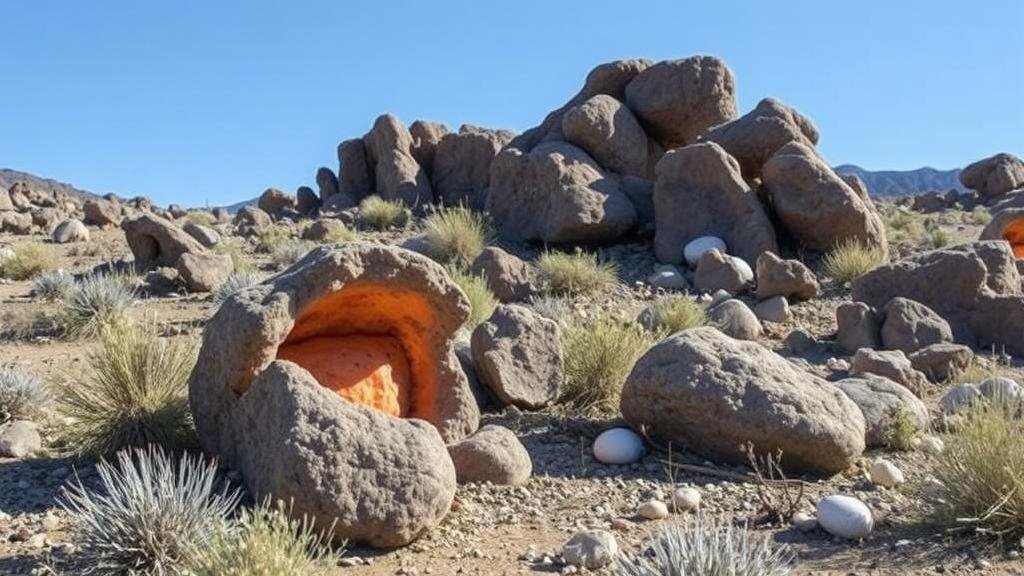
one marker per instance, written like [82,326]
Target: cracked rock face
[336,385]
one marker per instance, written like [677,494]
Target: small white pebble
[653,510]
[686,499]
[884,473]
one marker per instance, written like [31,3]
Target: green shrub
[95,302]
[980,216]
[27,260]
[136,395]
[53,285]
[940,238]
[852,259]
[574,274]
[380,214]
[201,218]
[235,249]
[290,251]
[152,515]
[904,226]
[456,235]
[22,395]
[235,282]
[598,357]
[555,308]
[675,313]
[273,236]
[903,429]
[482,301]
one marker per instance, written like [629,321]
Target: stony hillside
[8,177]
[899,183]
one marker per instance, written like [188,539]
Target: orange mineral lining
[367,370]
[1014,234]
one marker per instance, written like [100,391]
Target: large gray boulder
[326,183]
[507,276]
[608,131]
[789,278]
[881,400]
[558,194]
[699,192]
[102,213]
[396,174]
[942,362]
[156,241]
[462,165]
[709,394]
[910,326]
[676,100]
[70,230]
[274,201]
[1007,224]
[355,175]
[860,326]
[735,319]
[426,136]
[492,454]
[891,364]
[204,271]
[995,175]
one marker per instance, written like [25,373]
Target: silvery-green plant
[235,283]
[290,251]
[95,301]
[151,515]
[709,548]
[21,394]
[53,285]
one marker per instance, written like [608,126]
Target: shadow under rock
[33,485]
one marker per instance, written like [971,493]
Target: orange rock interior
[369,343]
[1014,234]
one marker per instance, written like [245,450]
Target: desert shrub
[555,308]
[27,260]
[266,541]
[53,285]
[981,471]
[903,429]
[94,302]
[482,301]
[904,226]
[674,313]
[151,516]
[598,357]
[235,282]
[852,259]
[234,249]
[456,235]
[339,234]
[273,236]
[979,216]
[983,367]
[30,323]
[380,214]
[940,238]
[576,273]
[136,395]
[22,395]
[202,218]
[290,251]
[709,548]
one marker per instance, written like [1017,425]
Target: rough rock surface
[306,201]
[699,192]
[249,220]
[942,362]
[491,454]
[19,438]
[355,176]
[462,165]
[326,183]
[273,201]
[891,364]
[507,276]
[204,271]
[590,549]
[880,400]
[396,174]
[606,129]
[70,231]
[860,326]
[710,393]
[735,319]
[206,236]
[717,271]
[518,355]
[789,278]
[426,136]
[995,175]
[910,326]
[102,213]
[156,241]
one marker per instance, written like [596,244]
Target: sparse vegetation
[136,395]
[482,301]
[979,216]
[598,357]
[234,283]
[554,308]
[903,429]
[940,238]
[94,302]
[456,235]
[575,274]
[152,515]
[201,218]
[902,225]
[290,251]
[708,547]
[235,250]
[30,323]
[273,236]
[852,259]
[27,260]
[22,395]
[675,313]
[980,369]
[53,285]
[380,214]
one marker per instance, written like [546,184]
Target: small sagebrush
[555,308]
[598,357]
[852,259]
[380,214]
[152,515]
[201,218]
[903,429]
[234,283]
[235,249]
[979,216]
[981,472]
[96,301]
[675,313]
[273,236]
[574,274]
[22,395]
[266,541]
[27,260]
[709,548]
[136,395]
[940,238]
[53,285]
[456,235]
[903,225]
[482,301]
[290,251]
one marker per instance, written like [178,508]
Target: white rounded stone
[618,446]
[696,248]
[746,273]
[590,549]
[932,445]
[959,397]
[804,522]
[686,499]
[884,473]
[653,510]
[845,516]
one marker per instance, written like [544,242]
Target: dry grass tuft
[380,214]
[676,313]
[598,356]
[573,274]
[851,259]
[27,260]
[482,301]
[456,235]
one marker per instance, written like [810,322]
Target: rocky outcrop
[492,454]
[910,326]
[789,278]
[396,174]
[426,136]
[881,400]
[994,176]
[462,165]
[156,241]
[102,213]
[608,131]
[355,177]
[274,201]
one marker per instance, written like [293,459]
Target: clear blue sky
[212,102]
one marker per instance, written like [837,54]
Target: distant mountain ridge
[898,183]
[8,177]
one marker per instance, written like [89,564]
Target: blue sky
[212,102]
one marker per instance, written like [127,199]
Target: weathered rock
[5,200]
[491,454]
[816,207]
[306,201]
[735,319]
[699,192]
[880,400]
[1008,225]
[653,510]
[891,364]
[462,165]
[995,175]
[686,500]
[718,271]
[250,220]
[606,129]
[507,276]
[929,202]
[206,236]
[910,326]
[845,516]
[19,223]
[558,194]
[884,473]
[676,100]
[323,229]
[396,174]
[326,183]
[221,215]
[789,278]
[757,135]
[70,230]
[590,549]
[860,326]
[774,309]
[640,192]
[668,277]
[959,397]
[45,218]
[19,438]
[102,213]
[710,393]
[942,362]
[518,354]
[355,174]
[696,248]
[426,136]
[204,271]
[273,201]
[155,241]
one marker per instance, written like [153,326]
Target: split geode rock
[336,385]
